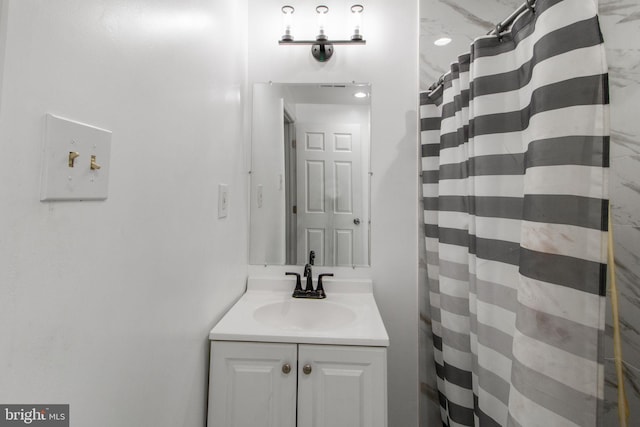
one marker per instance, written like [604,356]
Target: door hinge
[293,143]
[295,209]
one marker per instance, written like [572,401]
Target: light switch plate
[68,178]
[223,200]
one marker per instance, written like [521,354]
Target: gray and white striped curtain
[514,169]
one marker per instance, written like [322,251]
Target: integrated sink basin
[267,313]
[304,315]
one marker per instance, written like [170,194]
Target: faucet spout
[308,275]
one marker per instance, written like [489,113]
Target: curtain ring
[530,5]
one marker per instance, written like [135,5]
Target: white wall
[389,62]
[107,305]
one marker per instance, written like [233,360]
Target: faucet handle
[298,283]
[320,289]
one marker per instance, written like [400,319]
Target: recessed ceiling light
[360,94]
[443,41]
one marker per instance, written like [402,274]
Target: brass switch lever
[94,165]
[73,155]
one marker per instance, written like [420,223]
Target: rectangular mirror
[310,186]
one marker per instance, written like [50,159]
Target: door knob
[356,221]
[306,369]
[286,368]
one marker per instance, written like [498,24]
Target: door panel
[343,142]
[315,183]
[343,245]
[314,141]
[343,181]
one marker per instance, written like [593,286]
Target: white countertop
[348,316]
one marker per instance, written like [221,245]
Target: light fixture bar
[312,42]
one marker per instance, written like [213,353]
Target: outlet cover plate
[60,181]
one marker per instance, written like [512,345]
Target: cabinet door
[248,386]
[346,387]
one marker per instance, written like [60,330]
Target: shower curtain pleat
[515,159]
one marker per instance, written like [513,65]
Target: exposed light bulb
[356,16]
[360,94]
[287,20]
[322,11]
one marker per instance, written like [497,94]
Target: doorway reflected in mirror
[310,174]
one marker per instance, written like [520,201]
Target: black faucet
[308,291]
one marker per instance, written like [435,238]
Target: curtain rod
[528,4]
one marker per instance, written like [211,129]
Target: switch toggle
[73,155]
[94,165]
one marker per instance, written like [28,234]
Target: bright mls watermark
[34,415]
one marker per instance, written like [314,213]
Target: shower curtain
[514,175]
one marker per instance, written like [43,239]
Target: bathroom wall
[620,20]
[107,305]
[389,62]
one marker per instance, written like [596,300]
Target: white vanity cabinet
[278,361]
[255,384]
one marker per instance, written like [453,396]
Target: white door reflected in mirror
[315,138]
[329,164]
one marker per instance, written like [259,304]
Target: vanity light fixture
[322,47]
